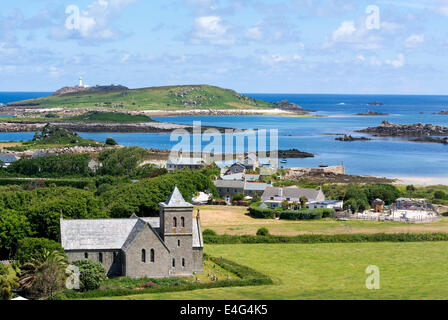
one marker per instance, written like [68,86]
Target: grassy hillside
[155,98]
[331,271]
[110,117]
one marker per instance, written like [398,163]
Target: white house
[337,205]
[274,197]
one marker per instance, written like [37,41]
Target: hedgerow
[248,277]
[323,238]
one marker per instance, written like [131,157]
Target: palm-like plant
[44,275]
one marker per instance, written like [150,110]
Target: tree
[440,195]
[44,276]
[91,274]
[111,142]
[411,188]
[386,192]
[8,281]
[119,162]
[13,227]
[45,212]
[303,201]
[29,248]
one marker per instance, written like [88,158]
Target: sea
[420,163]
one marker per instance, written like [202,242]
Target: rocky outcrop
[294,154]
[146,127]
[375,103]
[292,107]
[54,151]
[388,129]
[372,113]
[432,140]
[443,113]
[351,138]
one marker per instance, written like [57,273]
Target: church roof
[100,234]
[176,200]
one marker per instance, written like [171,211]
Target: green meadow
[332,271]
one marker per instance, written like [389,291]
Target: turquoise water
[386,157]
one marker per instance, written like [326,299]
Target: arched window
[175,222]
[174,263]
[153,255]
[178,243]
[182,222]
[86,255]
[183,263]
[143,255]
[100,257]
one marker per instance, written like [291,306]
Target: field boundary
[323,238]
[248,277]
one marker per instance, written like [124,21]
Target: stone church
[166,246]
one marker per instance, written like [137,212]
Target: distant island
[375,104]
[372,113]
[169,100]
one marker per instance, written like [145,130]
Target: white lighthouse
[81,84]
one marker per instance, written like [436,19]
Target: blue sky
[278,46]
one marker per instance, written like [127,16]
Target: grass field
[332,271]
[235,221]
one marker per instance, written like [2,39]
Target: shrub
[208,232]
[111,142]
[256,212]
[31,247]
[238,197]
[91,274]
[262,232]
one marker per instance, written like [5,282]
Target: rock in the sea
[388,129]
[351,138]
[372,113]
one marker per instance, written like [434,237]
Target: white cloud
[398,63]
[275,59]
[254,33]
[211,29]
[413,41]
[345,32]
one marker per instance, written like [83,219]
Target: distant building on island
[81,84]
[165,246]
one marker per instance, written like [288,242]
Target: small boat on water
[284,161]
[323,166]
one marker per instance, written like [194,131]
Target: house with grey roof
[228,188]
[170,245]
[274,197]
[7,159]
[185,163]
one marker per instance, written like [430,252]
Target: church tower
[176,230]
